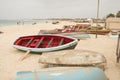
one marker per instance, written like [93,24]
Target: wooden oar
[24,56]
[35,75]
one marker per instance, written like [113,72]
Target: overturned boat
[63,73]
[73,58]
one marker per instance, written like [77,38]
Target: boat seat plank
[50,42]
[61,41]
[29,42]
[34,43]
[39,42]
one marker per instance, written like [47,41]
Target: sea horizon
[8,22]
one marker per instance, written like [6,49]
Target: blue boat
[63,73]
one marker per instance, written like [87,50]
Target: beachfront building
[113,23]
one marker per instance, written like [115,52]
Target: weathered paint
[69,45]
[84,73]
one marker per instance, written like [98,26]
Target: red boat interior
[42,41]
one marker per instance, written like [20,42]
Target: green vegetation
[118,14]
[110,15]
[114,15]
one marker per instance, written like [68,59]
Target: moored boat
[45,43]
[67,29]
[63,73]
[101,32]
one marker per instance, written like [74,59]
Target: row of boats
[82,28]
[63,63]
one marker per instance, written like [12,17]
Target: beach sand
[9,56]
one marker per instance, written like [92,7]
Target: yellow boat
[102,32]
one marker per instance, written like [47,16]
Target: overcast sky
[27,9]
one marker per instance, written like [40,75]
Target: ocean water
[20,22]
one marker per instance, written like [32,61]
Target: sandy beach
[9,56]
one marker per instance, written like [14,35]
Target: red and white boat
[45,43]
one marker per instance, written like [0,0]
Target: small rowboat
[73,58]
[63,73]
[44,43]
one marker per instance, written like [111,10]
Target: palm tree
[110,15]
[118,14]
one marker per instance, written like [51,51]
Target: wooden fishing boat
[101,32]
[67,29]
[114,32]
[73,58]
[77,35]
[44,43]
[63,73]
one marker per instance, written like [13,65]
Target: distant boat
[67,29]
[101,32]
[78,35]
[114,32]
[45,43]
[63,73]
[1,32]
[55,22]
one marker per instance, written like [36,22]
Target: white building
[113,23]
